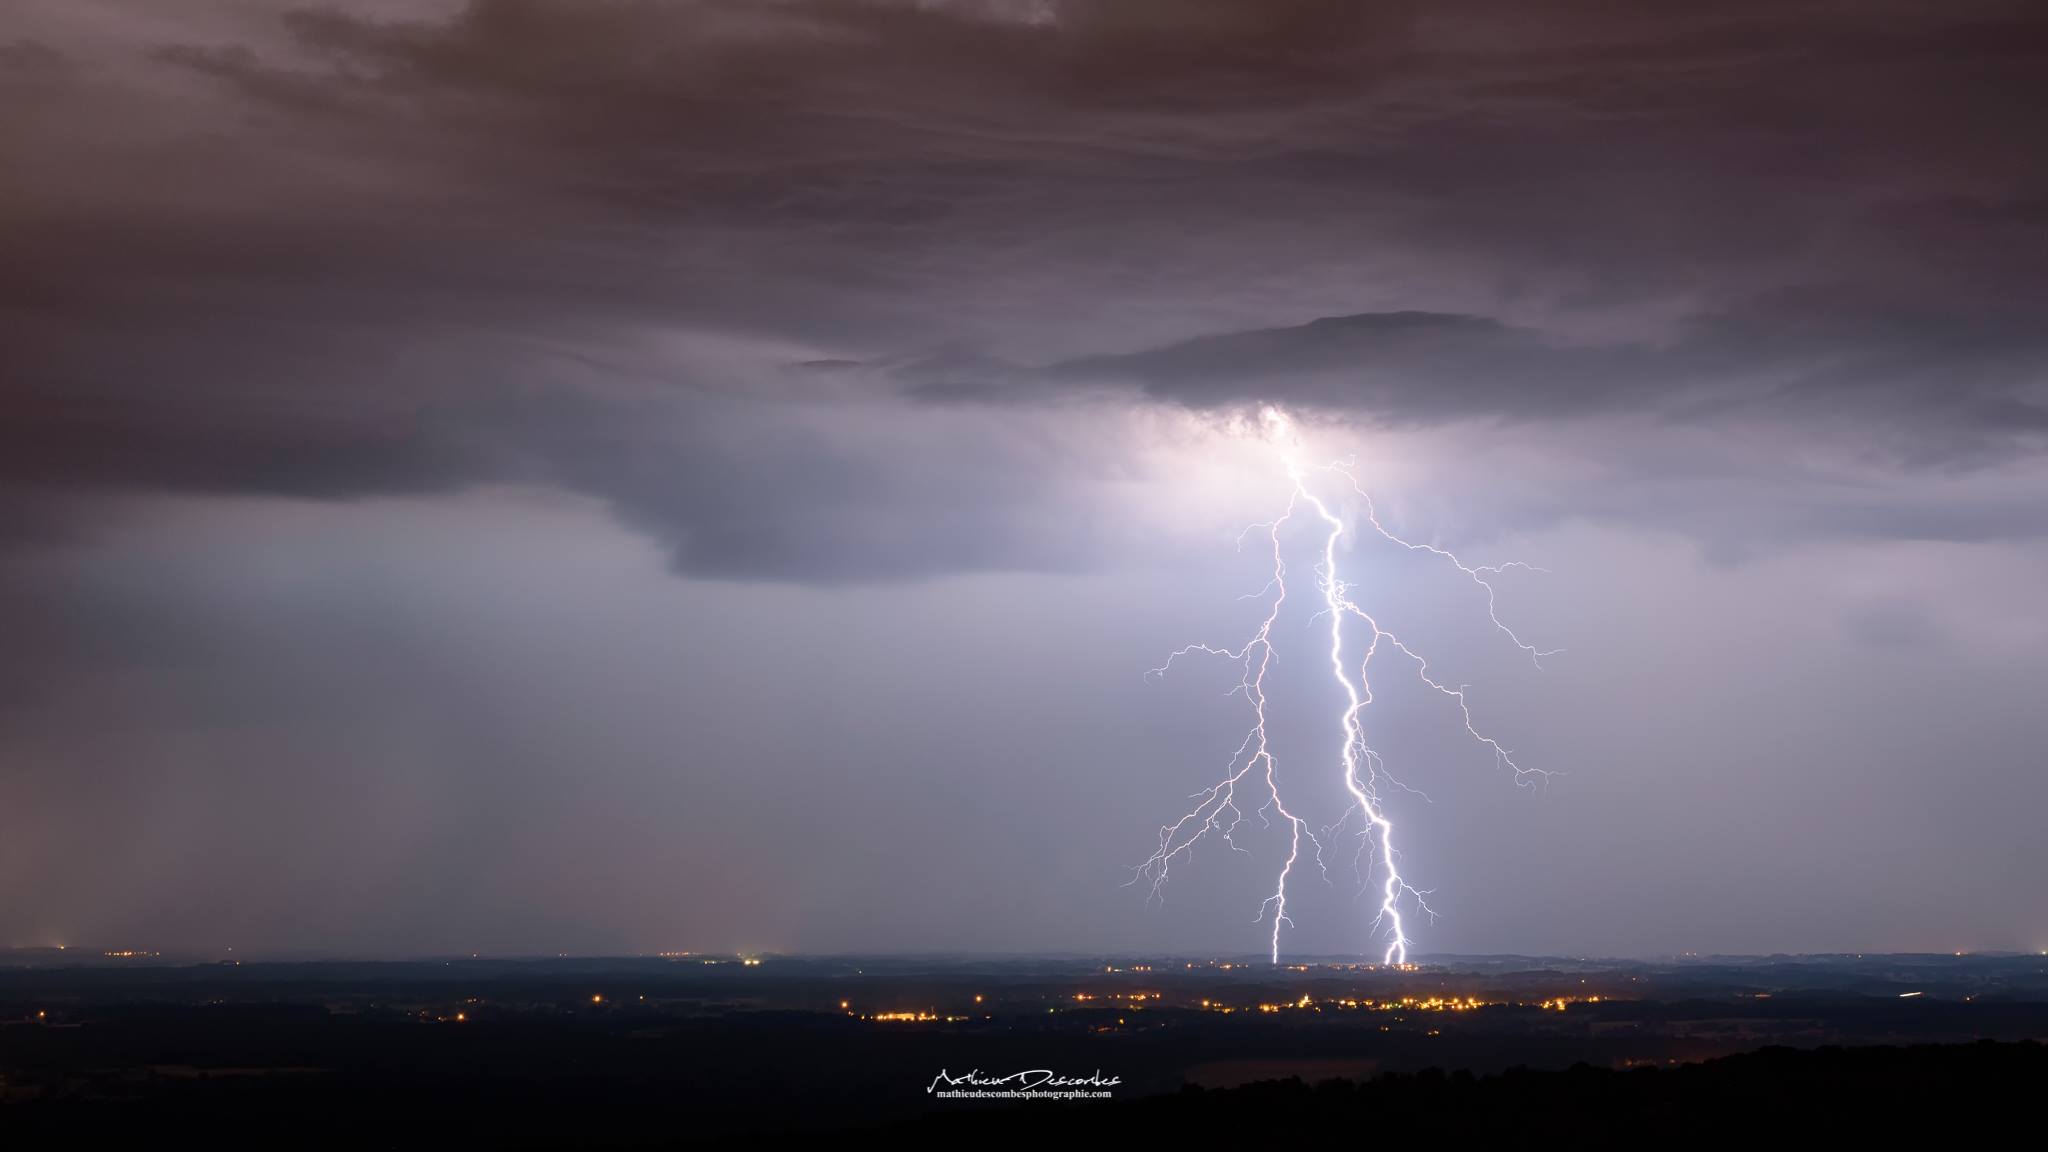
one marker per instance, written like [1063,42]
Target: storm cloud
[309,251]
[880,298]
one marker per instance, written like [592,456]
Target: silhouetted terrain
[1983,1088]
[666,1050]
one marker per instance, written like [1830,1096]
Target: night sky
[571,476]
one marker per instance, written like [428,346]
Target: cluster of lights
[922,1016]
[1143,999]
[1404,1004]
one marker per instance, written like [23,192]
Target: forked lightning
[1252,772]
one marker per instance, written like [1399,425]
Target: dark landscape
[668,1050]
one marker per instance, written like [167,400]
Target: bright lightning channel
[1217,808]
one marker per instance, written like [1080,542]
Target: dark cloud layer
[315,252]
[1430,367]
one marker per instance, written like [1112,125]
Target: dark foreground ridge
[1965,1089]
[1982,1088]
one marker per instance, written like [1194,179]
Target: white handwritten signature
[1029,1078]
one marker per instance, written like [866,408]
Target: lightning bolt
[1216,809]
[1219,801]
